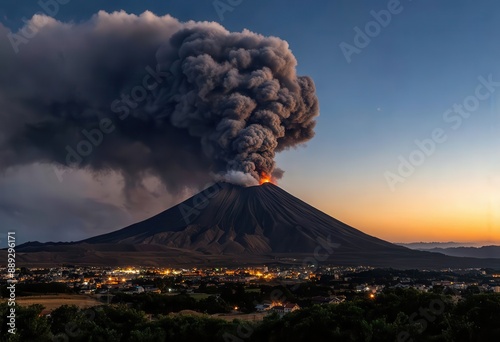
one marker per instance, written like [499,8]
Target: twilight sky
[430,73]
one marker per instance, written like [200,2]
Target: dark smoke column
[225,104]
[239,94]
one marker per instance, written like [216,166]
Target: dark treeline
[395,315]
[29,289]
[152,303]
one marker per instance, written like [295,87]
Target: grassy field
[255,317]
[199,296]
[51,302]
[252,290]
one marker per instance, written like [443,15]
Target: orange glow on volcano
[264,178]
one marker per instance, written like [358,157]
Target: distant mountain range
[229,224]
[451,244]
[457,249]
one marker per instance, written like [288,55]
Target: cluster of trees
[155,304]
[395,315]
[113,323]
[228,296]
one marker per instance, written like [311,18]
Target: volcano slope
[230,224]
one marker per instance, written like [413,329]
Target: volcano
[230,219]
[230,224]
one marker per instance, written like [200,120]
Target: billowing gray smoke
[148,95]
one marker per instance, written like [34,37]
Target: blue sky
[394,91]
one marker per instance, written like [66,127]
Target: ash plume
[150,95]
[236,177]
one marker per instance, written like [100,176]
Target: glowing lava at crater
[265,179]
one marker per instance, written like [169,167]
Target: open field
[51,302]
[259,316]
[199,296]
[253,290]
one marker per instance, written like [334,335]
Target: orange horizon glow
[408,226]
[446,213]
[421,223]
